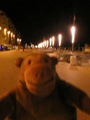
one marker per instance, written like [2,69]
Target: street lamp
[50,42]
[5,31]
[8,33]
[73,37]
[59,40]
[47,43]
[8,36]
[19,42]
[53,41]
[40,45]
[13,35]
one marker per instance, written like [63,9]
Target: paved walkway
[78,76]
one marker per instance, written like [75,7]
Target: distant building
[8,32]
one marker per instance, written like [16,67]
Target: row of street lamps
[51,41]
[19,41]
[9,34]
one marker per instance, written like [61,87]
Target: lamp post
[47,43]
[5,36]
[59,40]
[73,37]
[40,45]
[8,33]
[50,42]
[53,41]
[13,38]
[5,32]
[8,36]
[19,42]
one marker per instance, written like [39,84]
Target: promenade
[76,75]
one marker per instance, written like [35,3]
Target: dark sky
[36,19]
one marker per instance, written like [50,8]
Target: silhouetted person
[23,48]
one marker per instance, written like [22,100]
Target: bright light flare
[43,44]
[73,33]
[50,41]
[59,39]
[47,43]
[0,28]
[40,45]
[11,35]
[20,40]
[53,39]
[5,31]
[8,33]
[17,39]
[36,46]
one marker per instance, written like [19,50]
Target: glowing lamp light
[11,35]
[50,41]
[0,28]
[36,46]
[5,31]
[20,40]
[73,33]
[47,43]
[17,39]
[59,39]
[40,45]
[43,44]
[53,39]
[8,33]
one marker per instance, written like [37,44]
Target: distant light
[8,33]
[40,45]
[5,31]
[0,28]
[53,41]
[59,39]
[20,40]
[36,46]
[50,41]
[73,33]
[47,43]
[17,39]
[43,44]
[11,34]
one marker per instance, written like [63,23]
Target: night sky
[36,19]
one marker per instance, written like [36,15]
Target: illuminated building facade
[8,32]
